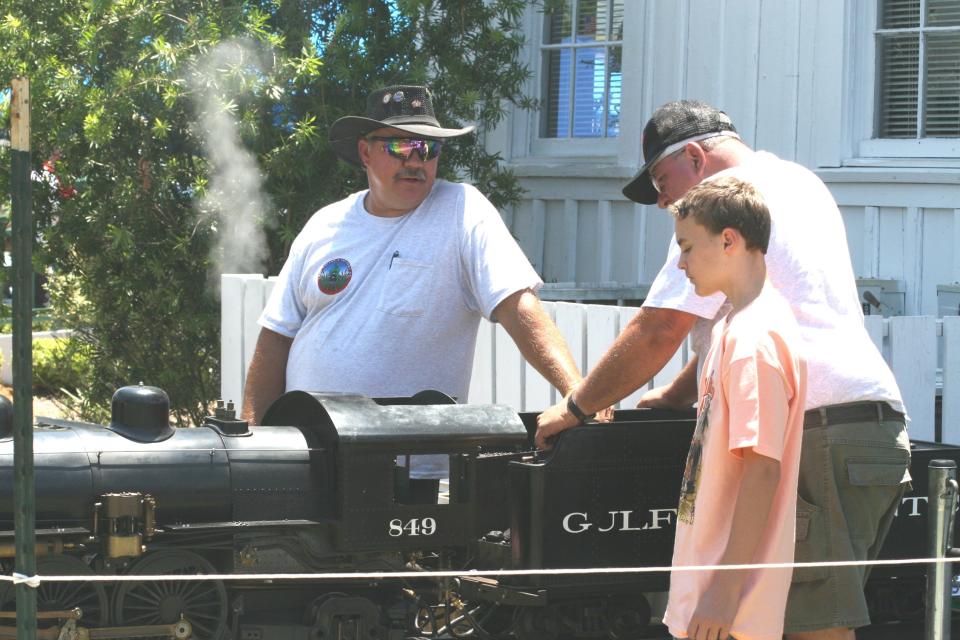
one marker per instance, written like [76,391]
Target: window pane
[589,87]
[613,104]
[587,20]
[599,20]
[556,94]
[943,13]
[581,85]
[899,61]
[895,14]
[558,24]
[616,21]
[941,116]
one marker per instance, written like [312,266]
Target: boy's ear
[729,237]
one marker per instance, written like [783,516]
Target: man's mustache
[415,174]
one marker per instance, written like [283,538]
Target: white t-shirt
[808,261]
[391,306]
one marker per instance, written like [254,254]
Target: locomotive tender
[324,486]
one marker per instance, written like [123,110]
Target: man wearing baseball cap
[383,292]
[855,458]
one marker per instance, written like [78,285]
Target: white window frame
[868,149]
[578,147]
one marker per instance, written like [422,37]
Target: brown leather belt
[850,413]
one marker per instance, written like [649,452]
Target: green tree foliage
[128,219]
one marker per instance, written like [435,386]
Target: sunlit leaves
[97,126]
[305,131]
[307,65]
[160,128]
[11,23]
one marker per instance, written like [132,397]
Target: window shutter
[900,14]
[943,13]
[899,65]
[941,117]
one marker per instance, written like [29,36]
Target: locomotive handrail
[942,504]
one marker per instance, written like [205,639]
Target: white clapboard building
[864,92]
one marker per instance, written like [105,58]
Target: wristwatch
[577,412]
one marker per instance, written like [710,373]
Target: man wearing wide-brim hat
[382,292]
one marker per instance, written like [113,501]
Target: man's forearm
[539,340]
[681,392]
[266,376]
[259,392]
[639,353]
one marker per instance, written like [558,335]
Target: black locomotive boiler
[324,487]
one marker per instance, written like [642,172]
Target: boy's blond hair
[728,203]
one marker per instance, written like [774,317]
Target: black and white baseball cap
[670,128]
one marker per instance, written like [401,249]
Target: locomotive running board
[246,525]
[479,588]
[71,531]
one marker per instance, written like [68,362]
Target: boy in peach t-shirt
[738,498]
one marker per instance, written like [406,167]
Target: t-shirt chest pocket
[406,288]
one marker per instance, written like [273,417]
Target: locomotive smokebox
[141,413]
[6,417]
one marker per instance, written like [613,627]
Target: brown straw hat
[405,107]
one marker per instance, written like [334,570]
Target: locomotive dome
[141,413]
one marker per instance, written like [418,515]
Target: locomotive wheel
[90,597]
[537,624]
[628,617]
[203,604]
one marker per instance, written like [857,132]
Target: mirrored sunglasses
[402,147]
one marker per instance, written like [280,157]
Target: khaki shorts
[852,477]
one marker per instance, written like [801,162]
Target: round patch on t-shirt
[334,276]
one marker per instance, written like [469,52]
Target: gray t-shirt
[391,306]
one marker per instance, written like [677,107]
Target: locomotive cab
[378,505]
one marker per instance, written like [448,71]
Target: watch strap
[577,411]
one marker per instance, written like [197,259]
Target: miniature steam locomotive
[325,487]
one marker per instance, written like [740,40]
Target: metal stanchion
[941,505]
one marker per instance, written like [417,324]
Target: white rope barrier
[19,578]
[35,581]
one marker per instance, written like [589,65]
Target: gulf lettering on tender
[625,520]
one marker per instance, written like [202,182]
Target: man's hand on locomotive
[562,416]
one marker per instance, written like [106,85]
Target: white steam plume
[234,197]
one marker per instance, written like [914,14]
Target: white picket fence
[923,351]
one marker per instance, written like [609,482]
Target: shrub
[60,364]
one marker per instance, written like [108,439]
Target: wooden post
[24,496]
